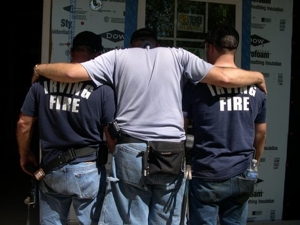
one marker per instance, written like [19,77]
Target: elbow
[20,124]
[70,76]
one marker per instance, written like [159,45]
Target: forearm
[259,148]
[260,140]
[62,72]
[28,161]
[110,142]
[186,124]
[238,77]
[234,77]
[23,136]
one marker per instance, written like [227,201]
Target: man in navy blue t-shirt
[229,126]
[72,118]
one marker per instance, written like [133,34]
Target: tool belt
[62,159]
[160,156]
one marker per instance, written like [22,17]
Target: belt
[66,157]
[124,138]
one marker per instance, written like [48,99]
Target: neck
[225,61]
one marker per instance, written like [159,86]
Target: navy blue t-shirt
[223,123]
[70,115]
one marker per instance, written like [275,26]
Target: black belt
[66,157]
[124,138]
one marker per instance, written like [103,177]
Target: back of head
[144,37]
[86,45]
[223,36]
[89,40]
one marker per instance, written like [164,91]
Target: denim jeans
[227,199]
[82,184]
[132,199]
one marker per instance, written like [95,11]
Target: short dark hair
[223,36]
[143,33]
[88,39]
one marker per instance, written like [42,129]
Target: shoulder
[189,85]
[260,92]
[189,88]
[39,83]
[105,89]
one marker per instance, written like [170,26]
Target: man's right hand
[34,78]
[28,163]
[35,75]
[262,86]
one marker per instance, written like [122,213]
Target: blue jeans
[82,184]
[132,199]
[227,199]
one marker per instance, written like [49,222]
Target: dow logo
[114,35]
[257,40]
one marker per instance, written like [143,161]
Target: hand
[35,75]
[262,86]
[34,78]
[28,163]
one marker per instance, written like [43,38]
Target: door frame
[141,18]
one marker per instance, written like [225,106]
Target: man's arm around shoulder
[234,77]
[62,72]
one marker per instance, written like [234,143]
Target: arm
[186,124]
[28,160]
[110,142]
[62,72]
[260,139]
[234,77]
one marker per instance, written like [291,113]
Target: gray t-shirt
[148,84]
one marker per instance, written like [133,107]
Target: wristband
[34,69]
